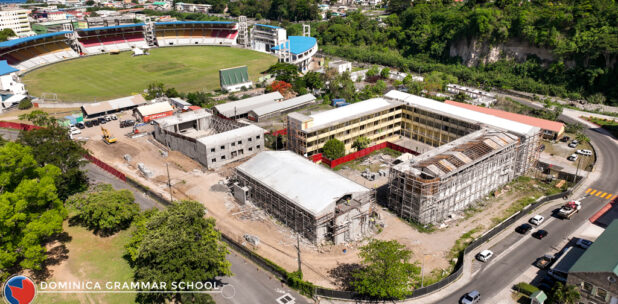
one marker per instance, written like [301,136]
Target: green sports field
[105,76]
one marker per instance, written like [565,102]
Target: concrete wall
[597,280]
[230,149]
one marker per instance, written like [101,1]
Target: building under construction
[312,200]
[429,187]
[211,140]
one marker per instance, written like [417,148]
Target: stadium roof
[267,25]
[283,105]
[14,42]
[299,44]
[545,124]
[602,255]
[154,108]
[310,186]
[113,105]
[110,27]
[240,133]
[233,76]
[334,116]
[194,22]
[5,68]
[462,113]
[182,117]
[243,106]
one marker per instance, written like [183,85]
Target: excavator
[107,137]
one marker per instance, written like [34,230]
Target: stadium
[215,45]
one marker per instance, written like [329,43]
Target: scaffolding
[149,32]
[307,30]
[72,37]
[429,190]
[243,33]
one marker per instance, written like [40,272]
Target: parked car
[107,118]
[582,243]
[471,297]
[584,152]
[542,147]
[80,125]
[572,157]
[113,117]
[537,220]
[484,255]
[540,234]
[95,122]
[89,123]
[544,262]
[564,139]
[546,284]
[523,228]
[102,120]
[75,131]
[572,145]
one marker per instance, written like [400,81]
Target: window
[214,160]
[222,147]
[587,287]
[240,142]
[257,137]
[601,294]
[212,150]
[250,139]
[223,157]
[233,144]
[250,149]
[257,147]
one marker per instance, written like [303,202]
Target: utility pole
[298,252]
[422,271]
[169,181]
[577,170]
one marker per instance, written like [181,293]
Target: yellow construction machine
[107,137]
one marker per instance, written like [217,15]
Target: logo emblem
[19,290]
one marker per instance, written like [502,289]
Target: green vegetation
[177,244]
[610,125]
[30,210]
[333,149]
[52,145]
[463,242]
[103,209]
[105,77]
[526,288]
[297,10]
[6,33]
[386,271]
[360,143]
[25,104]
[419,38]
[565,294]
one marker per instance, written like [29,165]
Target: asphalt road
[515,253]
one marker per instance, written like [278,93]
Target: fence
[18,126]
[279,132]
[359,154]
[106,167]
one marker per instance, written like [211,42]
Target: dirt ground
[277,242]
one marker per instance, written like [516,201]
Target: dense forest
[582,35]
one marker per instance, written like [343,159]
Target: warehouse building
[312,200]
[377,119]
[274,109]
[429,187]
[113,106]
[211,140]
[153,111]
[240,108]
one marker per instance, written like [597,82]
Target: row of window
[234,154]
[233,144]
[595,291]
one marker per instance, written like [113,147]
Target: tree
[52,145]
[360,143]
[90,2]
[177,244]
[6,33]
[372,72]
[385,73]
[314,80]
[30,211]
[284,71]
[155,90]
[104,209]
[280,86]
[397,6]
[386,272]
[564,294]
[25,104]
[334,149]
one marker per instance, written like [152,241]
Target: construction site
[211,140]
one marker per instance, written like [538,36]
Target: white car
[572,157]
[584,152]
[75,131]
[537,220]
[484,255]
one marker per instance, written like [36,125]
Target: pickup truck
[569,209]
[544,261]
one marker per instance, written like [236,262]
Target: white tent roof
[310,186]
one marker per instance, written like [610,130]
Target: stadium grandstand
[196,33]
[28,52]
[112,38]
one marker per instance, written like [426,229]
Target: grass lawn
[103,77]
[91,258]
[607,124]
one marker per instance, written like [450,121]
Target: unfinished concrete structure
[211,140]
[428,187]
[312,200]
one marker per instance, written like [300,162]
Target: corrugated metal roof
[105,28]
[267,25]
[283,105]
[529,120]
[14,42]
[465,114]
[113,105]
[602,255]
[182,117]
[154,108]
[243,106]
[193,22]
[5,68]
[358,109]
[232,76]
[308,185]
[298,44]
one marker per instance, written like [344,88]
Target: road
[515,253]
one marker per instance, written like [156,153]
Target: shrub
[526,288]
[334,149]
[25,104]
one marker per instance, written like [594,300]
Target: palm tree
[564,294]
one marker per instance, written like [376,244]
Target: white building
[193,7]
[13,91]
[479,97]
[17,20]
[341,66]
[264,37]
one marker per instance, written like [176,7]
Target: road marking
[603,195]
[591,193]
[613,198]
[607,195]
[599,193]
[589,189]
